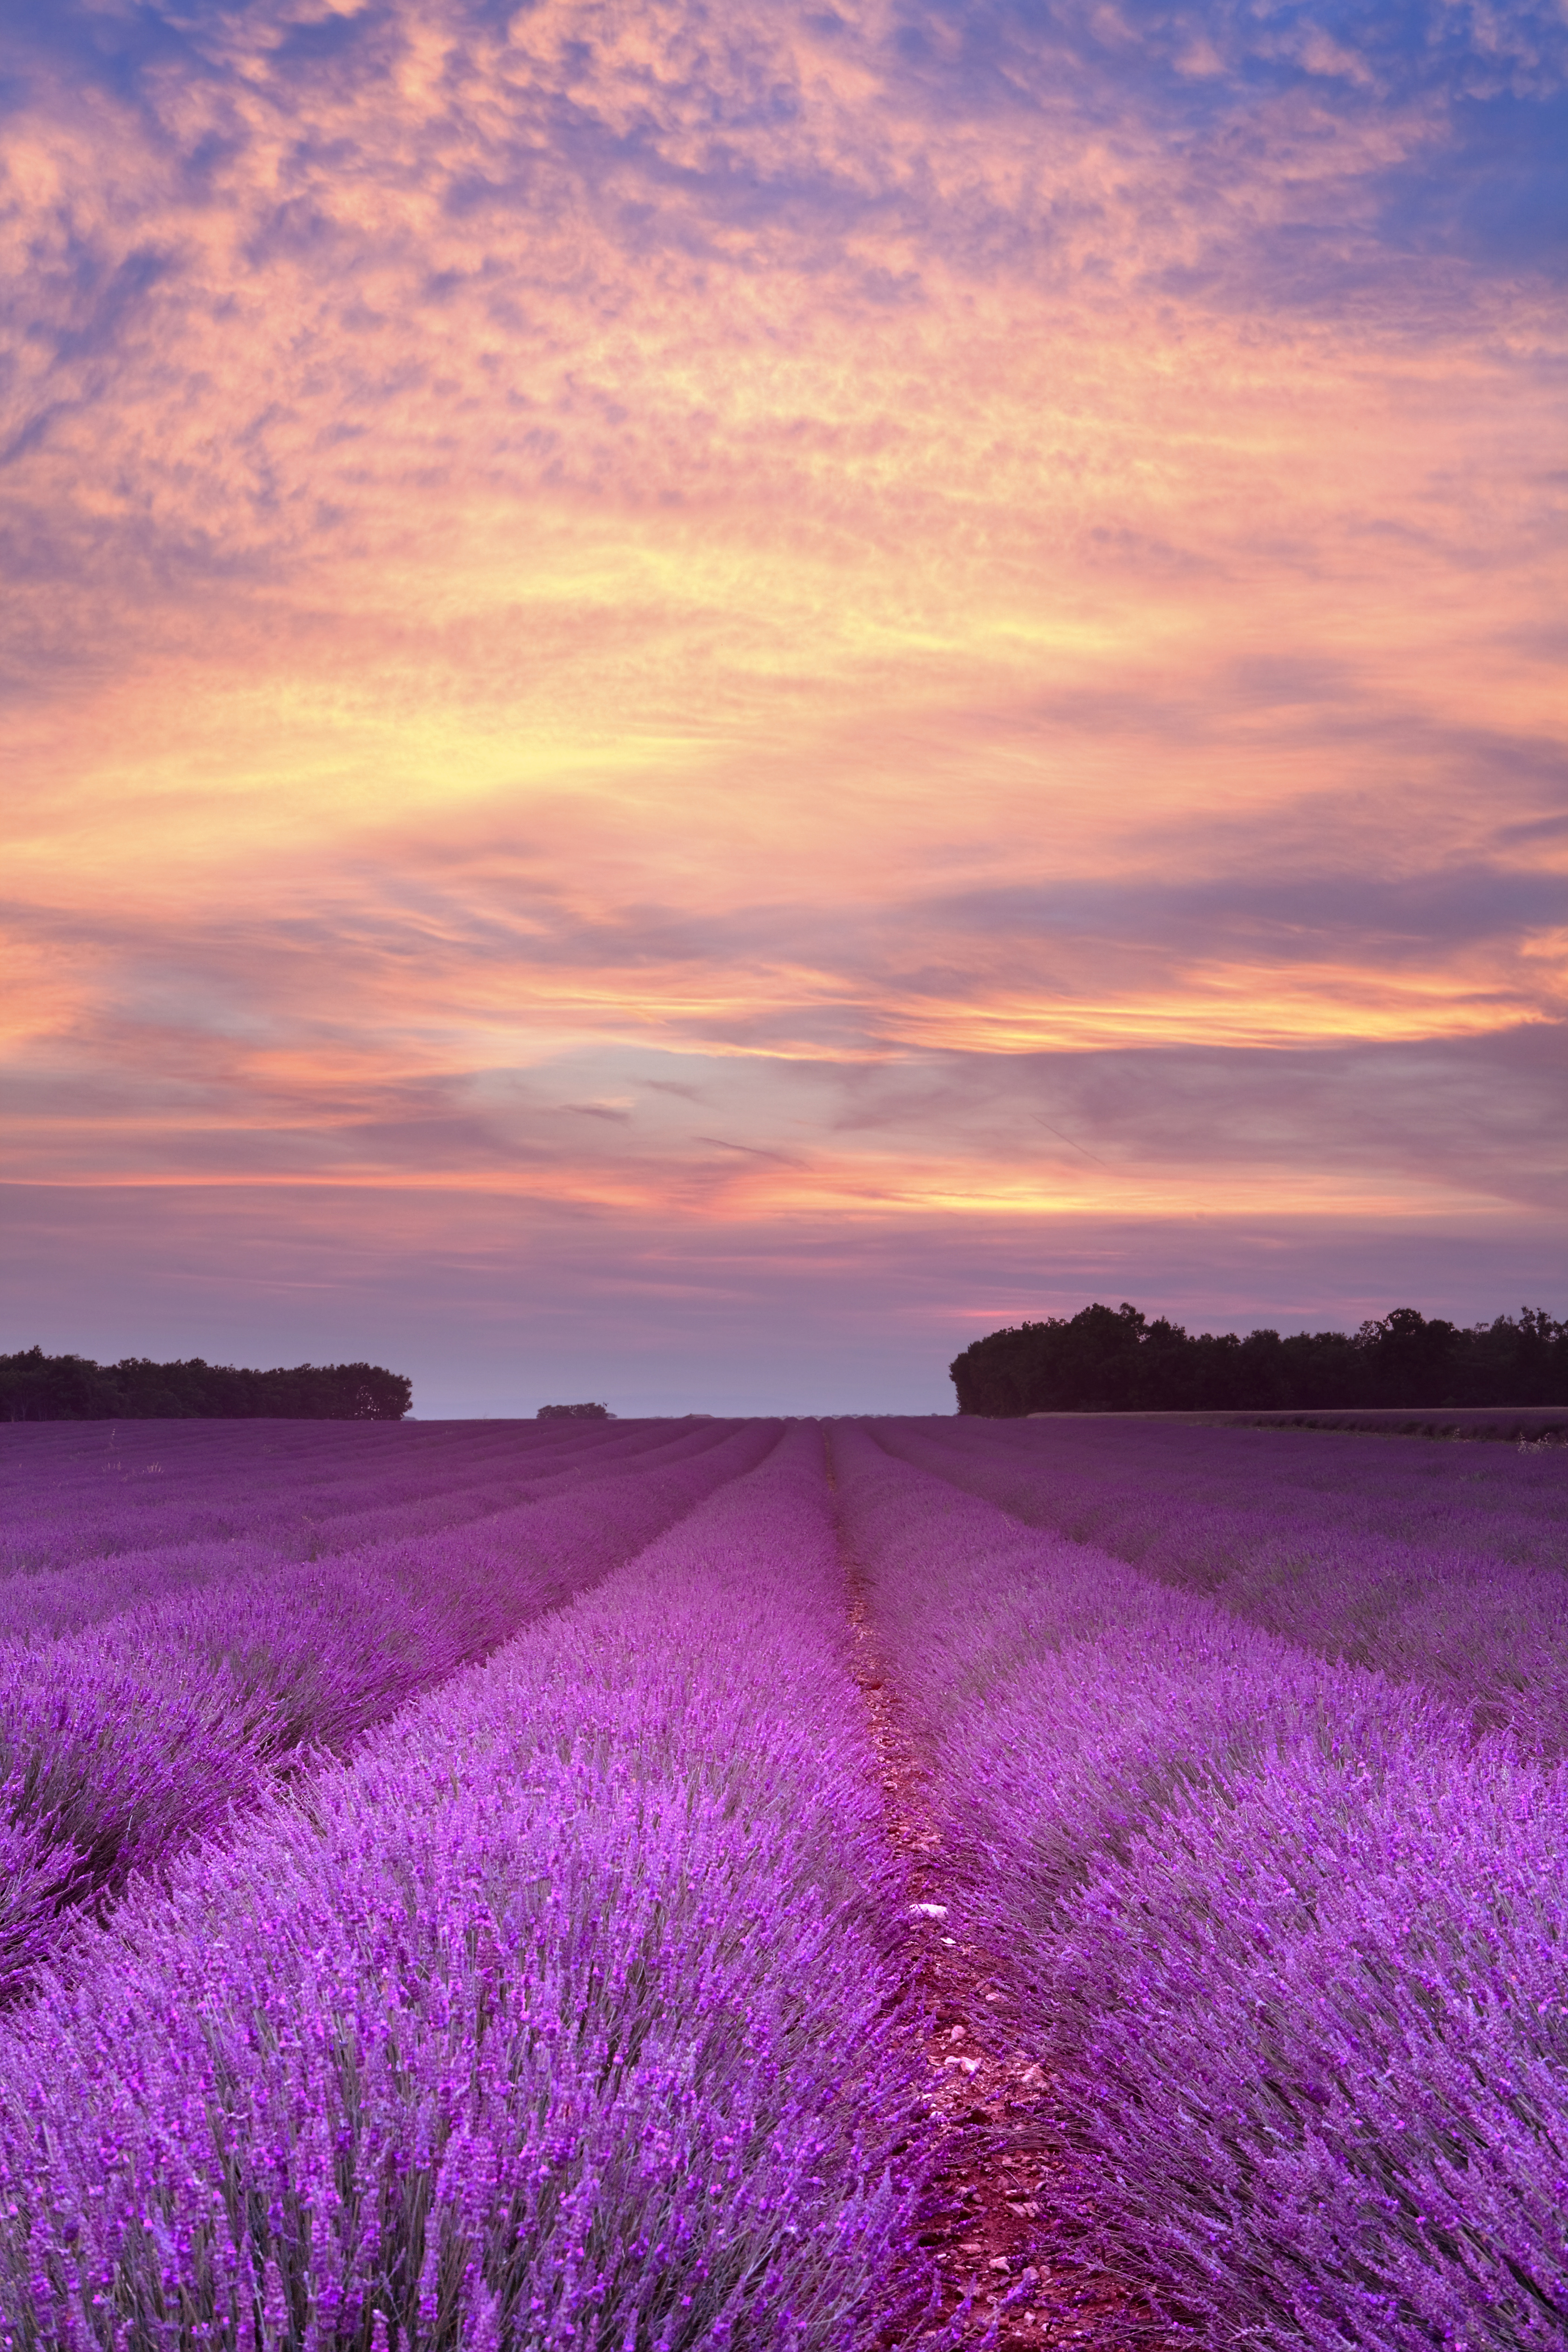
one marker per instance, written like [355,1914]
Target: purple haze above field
[700,699]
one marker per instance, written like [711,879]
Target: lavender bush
[558,2017]
[1290,1941]
[123,1742]
[1442,1564]
[552,2001]
[244,1524]
[304,1496]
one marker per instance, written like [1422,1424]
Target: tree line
[35,1387]
[1108,1360]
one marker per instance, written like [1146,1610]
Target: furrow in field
[563,2014]
[119,1745]
[1287,1945]
[982,2166]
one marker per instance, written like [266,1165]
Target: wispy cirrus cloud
[890,611]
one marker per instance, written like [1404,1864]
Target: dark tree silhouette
[1107,1359]
[574,1413]
[35,1387]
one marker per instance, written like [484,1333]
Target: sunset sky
[700,699]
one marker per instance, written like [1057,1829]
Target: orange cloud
[798,552]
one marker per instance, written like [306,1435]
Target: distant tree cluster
[574,1413]
[35,1387]
[1116,1361]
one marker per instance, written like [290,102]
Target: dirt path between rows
[994,2175]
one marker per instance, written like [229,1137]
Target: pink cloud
[871,577]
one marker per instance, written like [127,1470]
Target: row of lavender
[1439,1564]
[146,1695]
[61,1570]
[392,2065]
[303,1488]
[560,2016]
[1290,1938]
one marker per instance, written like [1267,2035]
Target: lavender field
[629,1886]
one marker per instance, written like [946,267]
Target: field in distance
[636,1886]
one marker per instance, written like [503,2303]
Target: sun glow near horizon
[885,580]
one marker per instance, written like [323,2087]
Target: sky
[699,700]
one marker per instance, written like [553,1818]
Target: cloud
[1377,922]
[914,584]
[495,1308]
